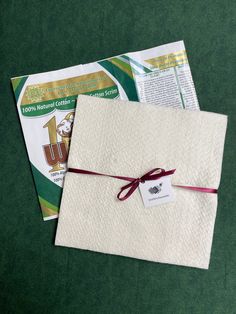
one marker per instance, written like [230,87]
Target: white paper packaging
[128,139]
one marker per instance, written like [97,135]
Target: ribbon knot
[133,185]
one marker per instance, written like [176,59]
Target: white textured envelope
[128,139]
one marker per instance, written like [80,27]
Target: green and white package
[46,104]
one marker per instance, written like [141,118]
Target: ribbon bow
[149,176]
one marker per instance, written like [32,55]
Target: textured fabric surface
[128,139]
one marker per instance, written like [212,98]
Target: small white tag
[157,191]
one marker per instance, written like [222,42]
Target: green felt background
[35,276]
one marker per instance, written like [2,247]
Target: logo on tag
[156,192]
[155,189]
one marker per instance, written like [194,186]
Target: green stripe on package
[46,103]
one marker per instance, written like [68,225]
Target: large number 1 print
[55,152]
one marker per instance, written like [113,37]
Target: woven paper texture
[128,139]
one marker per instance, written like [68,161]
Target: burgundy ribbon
[154,174]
